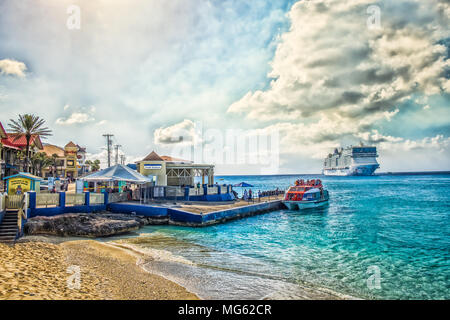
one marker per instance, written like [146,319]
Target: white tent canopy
[118,172]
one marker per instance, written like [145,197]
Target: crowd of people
[250,195]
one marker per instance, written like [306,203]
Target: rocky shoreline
[91,225]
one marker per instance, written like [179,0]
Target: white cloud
[101,123]
[12,68]
[183,132]
[79,116]
[75,118]
[334,80]
[330,63]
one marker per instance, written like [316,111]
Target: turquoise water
[397,225]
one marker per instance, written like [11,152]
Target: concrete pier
[178,216]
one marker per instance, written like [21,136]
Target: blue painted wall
[181,217]
[2,214]
[175,216]
[141,210]
[62,208]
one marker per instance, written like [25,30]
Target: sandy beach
[41,270]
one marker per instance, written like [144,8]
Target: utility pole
[108,146]
[122,159]
[116,157]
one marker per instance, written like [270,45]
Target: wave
[215,281]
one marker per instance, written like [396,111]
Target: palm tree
[40,161]
[29,125]
[96,165]
[54,157]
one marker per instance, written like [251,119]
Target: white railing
[212,190]
[2,202]
[195,191]
[14,201]
[158,192]
[118,197]
[96,198]
[22,213]
[174,192]
[47,199]
[75,199]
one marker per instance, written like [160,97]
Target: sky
[255,87]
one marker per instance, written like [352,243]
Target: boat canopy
[118,172]
[314,190]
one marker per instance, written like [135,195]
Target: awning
[118,172]
[243,184]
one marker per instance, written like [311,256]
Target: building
[83,168]
[70,161]
[13,147]
[169,171]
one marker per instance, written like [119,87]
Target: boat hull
[362,170]
[299,205]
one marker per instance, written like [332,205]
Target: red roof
[2,131]
[172,159]
[13,140]
[7,144]
[153,156]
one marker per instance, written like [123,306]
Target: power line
[108,146]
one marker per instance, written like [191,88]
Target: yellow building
[22,182]
[169,171]
[66,160]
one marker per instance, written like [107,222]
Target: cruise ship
[351,161]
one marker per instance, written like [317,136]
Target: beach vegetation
[29,125]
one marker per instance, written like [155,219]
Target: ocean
[380,237]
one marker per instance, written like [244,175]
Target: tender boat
[306,194]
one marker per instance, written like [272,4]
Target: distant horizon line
[388,173]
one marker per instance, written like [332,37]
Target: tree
[95,165]
[29,125]
[55,168]
[40,161]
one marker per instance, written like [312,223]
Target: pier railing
[47,200]
[118,197]
[213,190]
[75,199]
[196,191]
[186,193]
[2,202]
[174,192]
[96,198]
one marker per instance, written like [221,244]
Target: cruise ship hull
[361,170]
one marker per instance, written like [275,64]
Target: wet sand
[39,270]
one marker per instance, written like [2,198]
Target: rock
[83,224]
